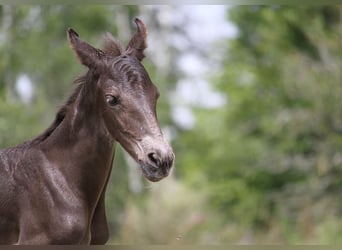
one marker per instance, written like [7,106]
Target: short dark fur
[52,188]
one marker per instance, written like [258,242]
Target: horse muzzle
[157,165]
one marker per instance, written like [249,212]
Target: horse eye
[112,100]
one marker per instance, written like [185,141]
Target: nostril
[154,158]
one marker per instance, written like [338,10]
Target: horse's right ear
[87,54]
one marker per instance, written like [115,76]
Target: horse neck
[81,148]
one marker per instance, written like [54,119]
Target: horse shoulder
[51,210]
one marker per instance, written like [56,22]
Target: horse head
[127,99]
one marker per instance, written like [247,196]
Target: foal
[52,188]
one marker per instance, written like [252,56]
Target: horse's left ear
[87,54]
[137,44]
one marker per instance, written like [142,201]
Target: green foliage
[272,156]
[11,124]
[264,168]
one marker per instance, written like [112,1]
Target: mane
[111,47]
[61,113]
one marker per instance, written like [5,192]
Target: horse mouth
[152,173]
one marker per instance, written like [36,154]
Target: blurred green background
[252,105]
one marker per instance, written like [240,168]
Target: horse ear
[137,44]
[87,54]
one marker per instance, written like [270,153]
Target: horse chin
[150,173]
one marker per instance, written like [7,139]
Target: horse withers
[52,188]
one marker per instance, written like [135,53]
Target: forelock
[111,46]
